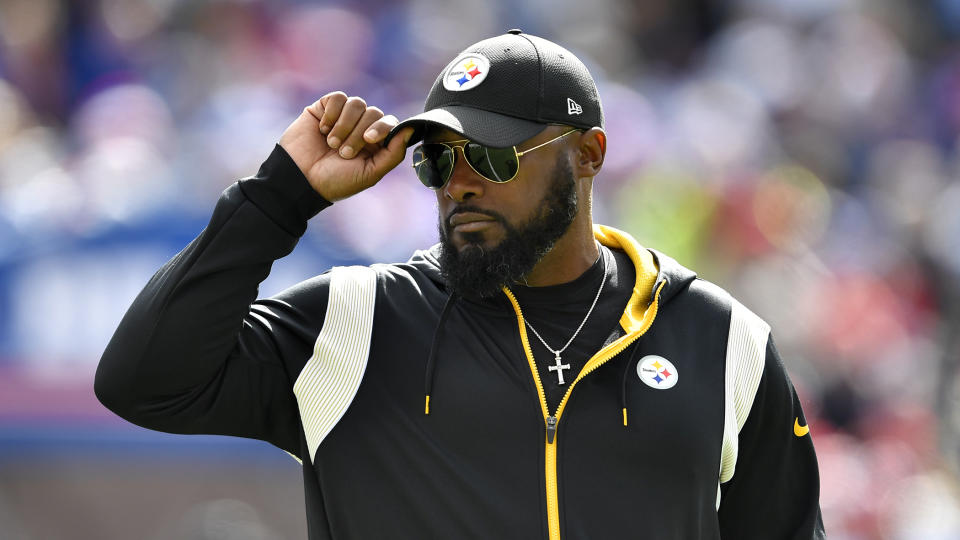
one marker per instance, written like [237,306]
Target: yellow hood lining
[635,315]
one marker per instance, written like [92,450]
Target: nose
[464,182]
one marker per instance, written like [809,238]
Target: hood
[654,269]
[428,262]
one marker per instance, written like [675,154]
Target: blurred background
[804,155]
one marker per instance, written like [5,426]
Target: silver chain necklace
[560,366]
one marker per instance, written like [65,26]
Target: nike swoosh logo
[799,430]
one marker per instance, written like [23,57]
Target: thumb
[403,136]
[391,155]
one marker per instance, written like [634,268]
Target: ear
[591,150]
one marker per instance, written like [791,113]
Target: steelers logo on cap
[467,71]
[657,372]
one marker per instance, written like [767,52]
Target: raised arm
[195,353]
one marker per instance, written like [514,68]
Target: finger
[391,155]
[352,110]
[354,141]
[379,129]
[331,104]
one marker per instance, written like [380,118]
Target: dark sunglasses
[434,162]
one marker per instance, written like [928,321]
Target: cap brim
[484,127]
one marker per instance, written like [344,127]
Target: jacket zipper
[551,421]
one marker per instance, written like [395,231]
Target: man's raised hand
[337,143]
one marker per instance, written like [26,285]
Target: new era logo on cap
[573,107]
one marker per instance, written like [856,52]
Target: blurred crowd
[803,155]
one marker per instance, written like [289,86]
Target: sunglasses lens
[433,164]
[496,164]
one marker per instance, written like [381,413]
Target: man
[531,376]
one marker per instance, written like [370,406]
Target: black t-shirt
[556,311]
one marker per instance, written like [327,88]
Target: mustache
[473,209]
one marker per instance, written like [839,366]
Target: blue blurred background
[804,155]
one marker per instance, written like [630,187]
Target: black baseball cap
[504,90]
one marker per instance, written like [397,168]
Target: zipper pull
[551,428]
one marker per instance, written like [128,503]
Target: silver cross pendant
[559,369]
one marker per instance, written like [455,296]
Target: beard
[476,271]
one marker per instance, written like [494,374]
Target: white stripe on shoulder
[746,354]
[331,377]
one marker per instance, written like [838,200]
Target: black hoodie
[416,415]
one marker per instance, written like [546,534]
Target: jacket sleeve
[195,353]
[775,491]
